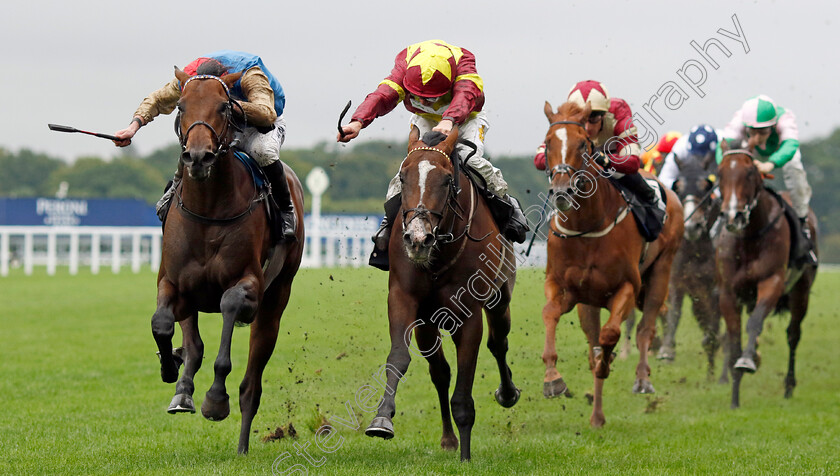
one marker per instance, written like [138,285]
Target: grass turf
[81,392]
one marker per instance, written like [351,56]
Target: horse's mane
[433,138]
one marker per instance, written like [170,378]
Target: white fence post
[74,252]
[95,250]
[4,253]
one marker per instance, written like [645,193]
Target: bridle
[223,139]
[561,169]
[749,206]
[451,203]
[226,144]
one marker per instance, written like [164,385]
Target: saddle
[650,218]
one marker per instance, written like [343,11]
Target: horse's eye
[402,179]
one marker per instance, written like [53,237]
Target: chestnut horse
[598,258]
[214,250]
[448,261]
[693,271]
[753,265]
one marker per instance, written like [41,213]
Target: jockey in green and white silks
[776,137]
[780,149]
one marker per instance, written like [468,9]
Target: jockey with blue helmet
[699,145]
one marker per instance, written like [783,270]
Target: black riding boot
[640,188]
[379,255]
[517,227]
[803,252]
[282,197]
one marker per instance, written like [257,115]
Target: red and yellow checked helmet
[591,92]
[666,143]
[431,65]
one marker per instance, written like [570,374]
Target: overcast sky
[89,63]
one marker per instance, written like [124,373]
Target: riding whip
[58,128]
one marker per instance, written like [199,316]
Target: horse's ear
[549,112]
[678,161]
[413,136]
[231,79]
[587,110]
[182,76]
[724,145]
[451,139]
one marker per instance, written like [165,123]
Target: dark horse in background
[214,250]
[598,259]
[753,265]
[448,261]
[693,271]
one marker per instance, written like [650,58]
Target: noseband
[561,169]
[225,144]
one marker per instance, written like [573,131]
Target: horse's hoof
[510,402]
[788,392]
[381,427]
[597,421]
[181,403]
[449,443]
[746,364]
[643,386]
[666,353]
[555,388]
[215,410]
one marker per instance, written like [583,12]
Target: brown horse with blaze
[214,250]
[753,265]
[449,262]
[606,263]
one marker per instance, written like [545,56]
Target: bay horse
[693,271]
[213,254]
[449,261]
[753,265]
[597,258]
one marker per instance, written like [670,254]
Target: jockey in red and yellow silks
[611,129]
[439,84]
[452,80]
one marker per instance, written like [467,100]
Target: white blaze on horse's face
[564,137]
[423,168]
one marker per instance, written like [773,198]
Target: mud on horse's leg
[163,328]
[238,303]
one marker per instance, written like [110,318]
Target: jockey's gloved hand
[600,159]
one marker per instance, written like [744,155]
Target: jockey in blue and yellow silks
[262,99]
